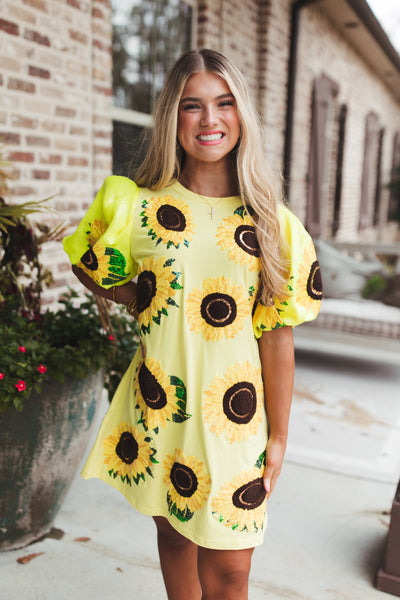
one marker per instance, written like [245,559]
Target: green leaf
[176,381]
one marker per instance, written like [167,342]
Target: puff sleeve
[100,245]
[304,287]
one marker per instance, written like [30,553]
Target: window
[339,169]
[148,37]
[394,201]
[370,183]
[322,158]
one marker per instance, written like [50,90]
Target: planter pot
[40,451]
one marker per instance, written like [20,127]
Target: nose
[208,117]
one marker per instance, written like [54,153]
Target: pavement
[328,516]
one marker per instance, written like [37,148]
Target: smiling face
[208,122]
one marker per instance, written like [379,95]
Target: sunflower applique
[169,221]
[96,230]
[232,404]
[103,264]
[237,235]
[188,484]
[218,309]
[160,398]
[309,283]
[156,286]
[241,503]
[128,454]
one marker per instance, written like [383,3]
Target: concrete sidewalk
[328,517]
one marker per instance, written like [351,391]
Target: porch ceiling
[356,22]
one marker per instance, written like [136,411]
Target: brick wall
[232,27]
[55,96]
[323,50]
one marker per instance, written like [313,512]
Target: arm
[277,365]
[123,293]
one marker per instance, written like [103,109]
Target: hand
[276,448]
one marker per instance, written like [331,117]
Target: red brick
[34,36]
[107,91]
[74,3]
[102,149]
[40,174]
[97,13]
[23,190]
[9,27]
[62,111]
[50,159]
[21,86]
[21,157]
[58,283]
[37,140]
[66,176]
[77,161]
[7,137]
[22,121]
[78,130]
[37,72]
[64,267]
[78,36]
[39,4]
[67,207]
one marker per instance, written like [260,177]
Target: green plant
[373,286]
[82,335]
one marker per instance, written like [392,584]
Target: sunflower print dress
[186,432]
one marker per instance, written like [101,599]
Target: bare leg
[178,559]
[224,574]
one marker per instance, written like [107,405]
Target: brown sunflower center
[146,290]
[240,402]
[218,310]
[184,480]
[127,448]
[250,495]
[152,392]
[245,237]
[314,282]
[171,218]
[89,259]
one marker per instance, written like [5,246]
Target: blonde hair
[258,189]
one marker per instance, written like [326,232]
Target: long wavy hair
[259,189]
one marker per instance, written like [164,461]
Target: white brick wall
[56,94]
[55,99]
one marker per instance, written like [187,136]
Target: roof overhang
[358,25]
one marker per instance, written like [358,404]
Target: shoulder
[292,228]
[119,186]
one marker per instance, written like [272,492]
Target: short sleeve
[302,301]
[100,245]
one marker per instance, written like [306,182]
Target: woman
[196,433]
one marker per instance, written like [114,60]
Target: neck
[211,181]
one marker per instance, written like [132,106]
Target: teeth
[210,137]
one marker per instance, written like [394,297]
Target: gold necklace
[212,206]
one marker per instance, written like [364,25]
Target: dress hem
[157,513]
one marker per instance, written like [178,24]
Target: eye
[227,103]
[190,106]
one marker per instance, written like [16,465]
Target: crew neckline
[178,185]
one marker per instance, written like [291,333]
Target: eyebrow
[194,99]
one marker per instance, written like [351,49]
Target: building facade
[323,75]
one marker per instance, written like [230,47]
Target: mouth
[210,137]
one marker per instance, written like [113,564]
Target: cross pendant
[212,212]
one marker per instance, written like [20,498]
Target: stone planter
[40,451]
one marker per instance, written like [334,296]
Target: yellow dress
[186,432]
